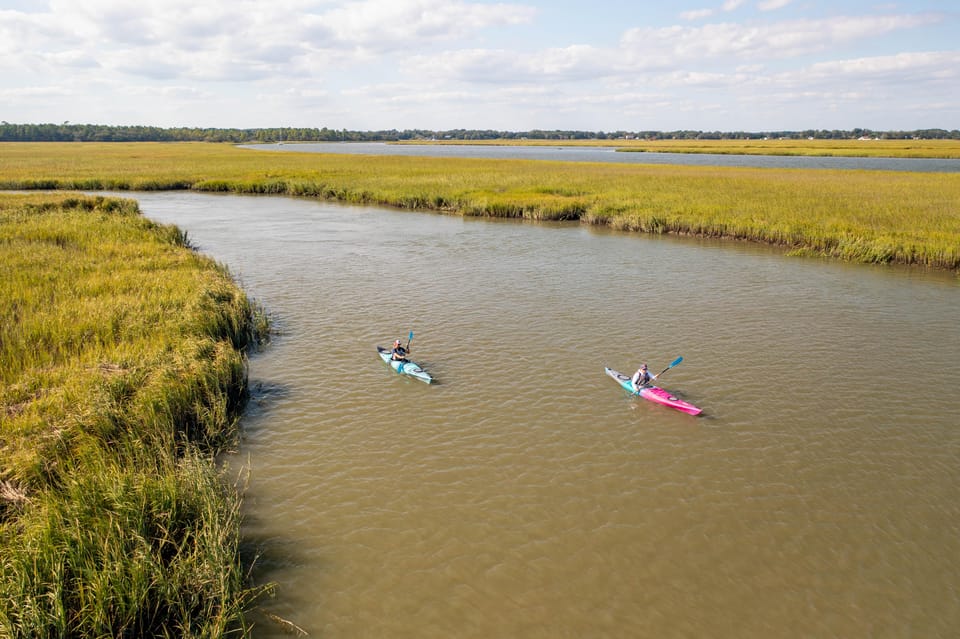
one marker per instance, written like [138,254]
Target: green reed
[867,216]
[126,553]
[124,374]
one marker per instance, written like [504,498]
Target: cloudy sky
[600,65]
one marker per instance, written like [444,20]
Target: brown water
[526,494]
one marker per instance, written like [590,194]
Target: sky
[367,65]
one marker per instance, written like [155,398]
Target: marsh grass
[866,216]
[123,375]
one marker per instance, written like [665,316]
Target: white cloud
[387,24]
[940,66]
[242,39]
[397,63]
[21,93]
[819,92]
[698,63]
[696,14]
[75,59]
[718,42]
[700,14]
[573,63]
[772,5]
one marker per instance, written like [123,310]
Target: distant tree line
[68,132]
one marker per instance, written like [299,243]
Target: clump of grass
[117,552]
[124,375]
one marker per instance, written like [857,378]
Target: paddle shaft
[672,364]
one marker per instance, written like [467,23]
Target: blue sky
[605,65]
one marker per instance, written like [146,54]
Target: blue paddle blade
[410,336]
[675,362]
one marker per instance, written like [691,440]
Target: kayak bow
[654,393]
[404,367]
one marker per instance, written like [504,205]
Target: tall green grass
[124,374]
[121,553]
[867,216]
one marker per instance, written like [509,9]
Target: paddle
[409,338]
[672,364]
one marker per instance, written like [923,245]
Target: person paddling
[641,378]
[399,353]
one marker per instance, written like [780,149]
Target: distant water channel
[526,494]
[609,154]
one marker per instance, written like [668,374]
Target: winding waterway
[526,494]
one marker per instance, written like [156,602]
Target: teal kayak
[405,366]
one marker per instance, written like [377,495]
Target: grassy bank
[866,216]
[123,375]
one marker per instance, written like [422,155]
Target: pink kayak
[654,393]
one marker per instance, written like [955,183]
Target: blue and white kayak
[404,367]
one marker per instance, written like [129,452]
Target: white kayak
[405,366]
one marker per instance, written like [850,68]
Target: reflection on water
[526,494]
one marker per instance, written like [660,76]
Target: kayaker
[641,377]
[399,353]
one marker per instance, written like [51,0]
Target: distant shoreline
[67,132]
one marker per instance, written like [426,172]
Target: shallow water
[526,494]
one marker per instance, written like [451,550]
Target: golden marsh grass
[123,375]
[867,216]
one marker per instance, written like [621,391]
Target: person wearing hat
[399,353]
[640,378]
